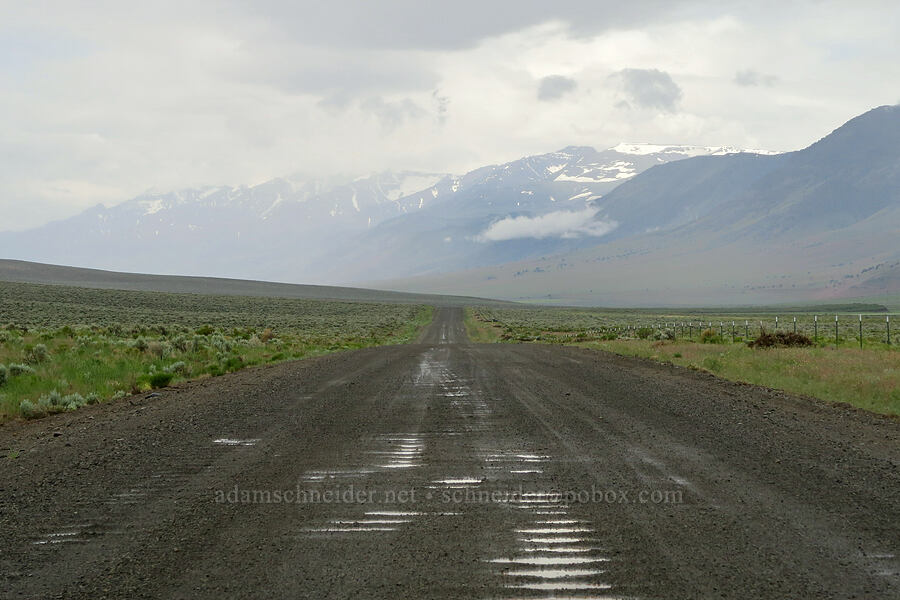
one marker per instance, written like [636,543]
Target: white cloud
[119,98]
[560,224]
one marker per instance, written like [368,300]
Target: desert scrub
[36,354]
[103,344]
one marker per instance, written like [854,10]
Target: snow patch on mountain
[644,149]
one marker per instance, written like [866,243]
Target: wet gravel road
[445,469]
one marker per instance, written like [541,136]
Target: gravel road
[445,469]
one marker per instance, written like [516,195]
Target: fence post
[776,323]
[721,329]
[746,330]
[887,320]
[835,331]
[860,332]
[816,328]
[795,324]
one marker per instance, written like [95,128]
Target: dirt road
[445,469]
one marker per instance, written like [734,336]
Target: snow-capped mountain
[339,230]
[815,224]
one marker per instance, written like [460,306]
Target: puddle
[235,442]
[561,585]
[559,522]
[561,549]
[460,481]
[550,560]
[554,573]
[553,540]
[61,535]
[363,522]
[322,475]
[348,529]
[556,530]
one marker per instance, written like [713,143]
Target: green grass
[867,378]
[81,345]
[480,331]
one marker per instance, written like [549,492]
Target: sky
[101,101]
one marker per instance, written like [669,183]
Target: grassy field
[867,378]
[62,347]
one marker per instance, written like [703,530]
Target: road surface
[445,469]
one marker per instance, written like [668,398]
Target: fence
[837,330]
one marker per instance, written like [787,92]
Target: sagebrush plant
[36,354]
[102,344]
[16,369]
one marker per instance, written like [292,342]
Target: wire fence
[838,330]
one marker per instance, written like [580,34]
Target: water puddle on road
[59,537]
[557,586]
[334,474]
[554,573]
[404,451]
[235,442]
[550,560]
[555,530]
[555,554]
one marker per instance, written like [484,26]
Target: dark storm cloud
[649,88]
[751,78]
[555,87]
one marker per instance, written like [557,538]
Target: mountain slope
[536,206]
[818,223]
[330,231]
[28,272]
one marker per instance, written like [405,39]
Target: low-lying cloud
[561,223]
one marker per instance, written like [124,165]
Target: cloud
[121,97]
[392,114]
[649,88]
[751,78]
[561,223]
[554,87]
[462,24]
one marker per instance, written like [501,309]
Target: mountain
[266,231]
[819,223]
[343,230]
